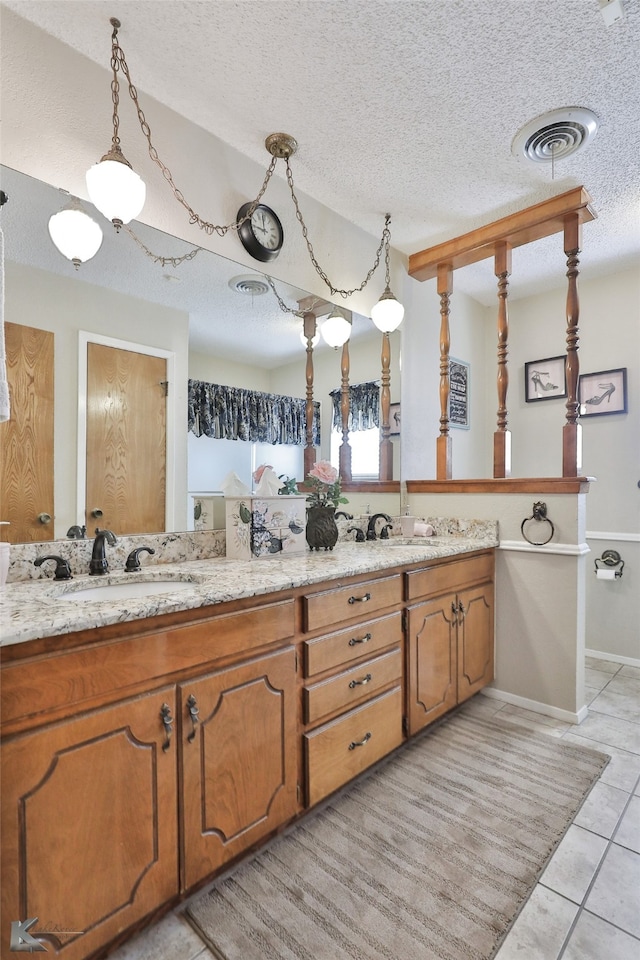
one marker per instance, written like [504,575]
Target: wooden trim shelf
[534,223]
[503,485]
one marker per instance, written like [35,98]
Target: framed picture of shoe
[545,379]
[602,393]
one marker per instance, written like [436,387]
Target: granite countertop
[33,609]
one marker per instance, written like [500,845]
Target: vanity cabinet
[352,701]
[124,804]
[239,771]
[450,636]
[90,823]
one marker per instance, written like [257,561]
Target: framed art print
[394,420]
[602,393]
[545,379]
[458,394]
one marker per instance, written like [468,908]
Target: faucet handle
[133,560]
[63,570]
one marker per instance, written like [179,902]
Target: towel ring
[540,515]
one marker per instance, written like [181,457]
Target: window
[365,452]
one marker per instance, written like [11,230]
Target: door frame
[85,338]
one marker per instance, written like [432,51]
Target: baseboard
[536,707]
[613,657]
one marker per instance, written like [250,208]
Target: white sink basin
[125,591]
[417,541]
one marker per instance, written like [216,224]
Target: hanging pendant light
[114,187]
[336,329]
[75,234]
[388,312]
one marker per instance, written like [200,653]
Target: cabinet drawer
[345,603]
[353,685]
[445,577]
[340,649]
[342,749]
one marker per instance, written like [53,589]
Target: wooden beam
[541,220]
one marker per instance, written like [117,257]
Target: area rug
[428,857]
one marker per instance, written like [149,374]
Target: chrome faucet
[371,528]
[99,563]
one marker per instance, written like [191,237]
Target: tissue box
[261,527]
[208,511]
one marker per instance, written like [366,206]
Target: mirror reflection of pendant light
[75,234]
[114,187]
[336,329]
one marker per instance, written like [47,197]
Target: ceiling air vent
[555,135]
[249,284]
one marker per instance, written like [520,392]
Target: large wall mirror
[205,318]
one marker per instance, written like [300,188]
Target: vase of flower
[322,530]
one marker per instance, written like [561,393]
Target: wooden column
[443,442]
[502,436]
[309,330]
[571,432]
[345,447]
[386,447]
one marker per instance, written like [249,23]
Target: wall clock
[261,236]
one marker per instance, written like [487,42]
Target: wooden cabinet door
[239,759]
[26,439]
[475,639]
[89,825]
[432,686]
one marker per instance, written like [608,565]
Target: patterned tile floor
[586,905]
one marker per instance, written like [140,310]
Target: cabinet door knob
[44,517]
[192,707]
[167,721]
[360,743]
[360,683]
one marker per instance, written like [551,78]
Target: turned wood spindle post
[309,331]
[443,442]
[571,432]
[386,446]
[345,447]
[502,436]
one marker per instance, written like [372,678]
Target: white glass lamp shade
[76,235]
[387,313]
[116,190]
[336,329]
[314,340]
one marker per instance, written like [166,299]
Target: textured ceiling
[408,106]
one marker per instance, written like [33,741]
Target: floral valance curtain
[233,413]
[364,406]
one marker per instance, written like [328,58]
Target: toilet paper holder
[610,558]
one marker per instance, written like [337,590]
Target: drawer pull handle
[167,720]
[355,640]
[364,599]
[360,683]
[360,743]
[192,706]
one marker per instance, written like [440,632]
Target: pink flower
[324,472]
[257,473]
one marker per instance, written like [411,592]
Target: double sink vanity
[157,726]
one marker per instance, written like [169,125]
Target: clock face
[266,228]
[262,235]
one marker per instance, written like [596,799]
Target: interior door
[126,440]
[26,439]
